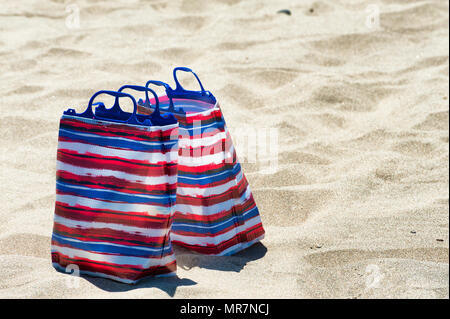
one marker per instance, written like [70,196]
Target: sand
[356,204]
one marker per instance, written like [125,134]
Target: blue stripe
[102,247]
[114,195]
[116,142]
[206,179]
[213,228]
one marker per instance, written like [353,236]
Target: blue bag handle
[117,95]
[177,83]
[167,87]
[88,113]
[180,92]
[156,117]
[143,89]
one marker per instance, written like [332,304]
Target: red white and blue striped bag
[215,212]
[115,193]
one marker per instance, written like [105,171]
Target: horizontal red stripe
[134,167]
[116,184]
[120,130]
[109,235]
[130,273]
[234,192]
[208,169]
[237,210]
[116,218]
[242,237]
[185,120]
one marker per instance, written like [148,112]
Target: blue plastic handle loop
[131,120]
[143,89]
[156,118]
[167,87]
[180,93]
[177,83]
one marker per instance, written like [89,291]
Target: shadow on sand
[186,260]
[166,284]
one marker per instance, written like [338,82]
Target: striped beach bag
[115,193]
[215,211]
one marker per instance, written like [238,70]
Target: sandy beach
[356,204]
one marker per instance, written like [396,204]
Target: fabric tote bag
[115,193]
[215,211]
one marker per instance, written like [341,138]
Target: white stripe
[145,262]
[82,148]
[208,240]
[185,141]
[211,226]
[151,210]
[206,159]
[208,191]
[214,209]
[145,180]
[205,113]
[147,232]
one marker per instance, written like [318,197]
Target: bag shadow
[167,284]
[187,259]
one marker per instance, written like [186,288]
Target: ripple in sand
[321,60]
[348,45]
[302,158]
[22,65]
[350,96]
[242,96]
[418,17]
[414,148]
[434,121]
[25,245]
[20,128]
[335,258]
[283,177]
[289,208]
[26,89]
[66,53]
[188,23]
[144,68]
